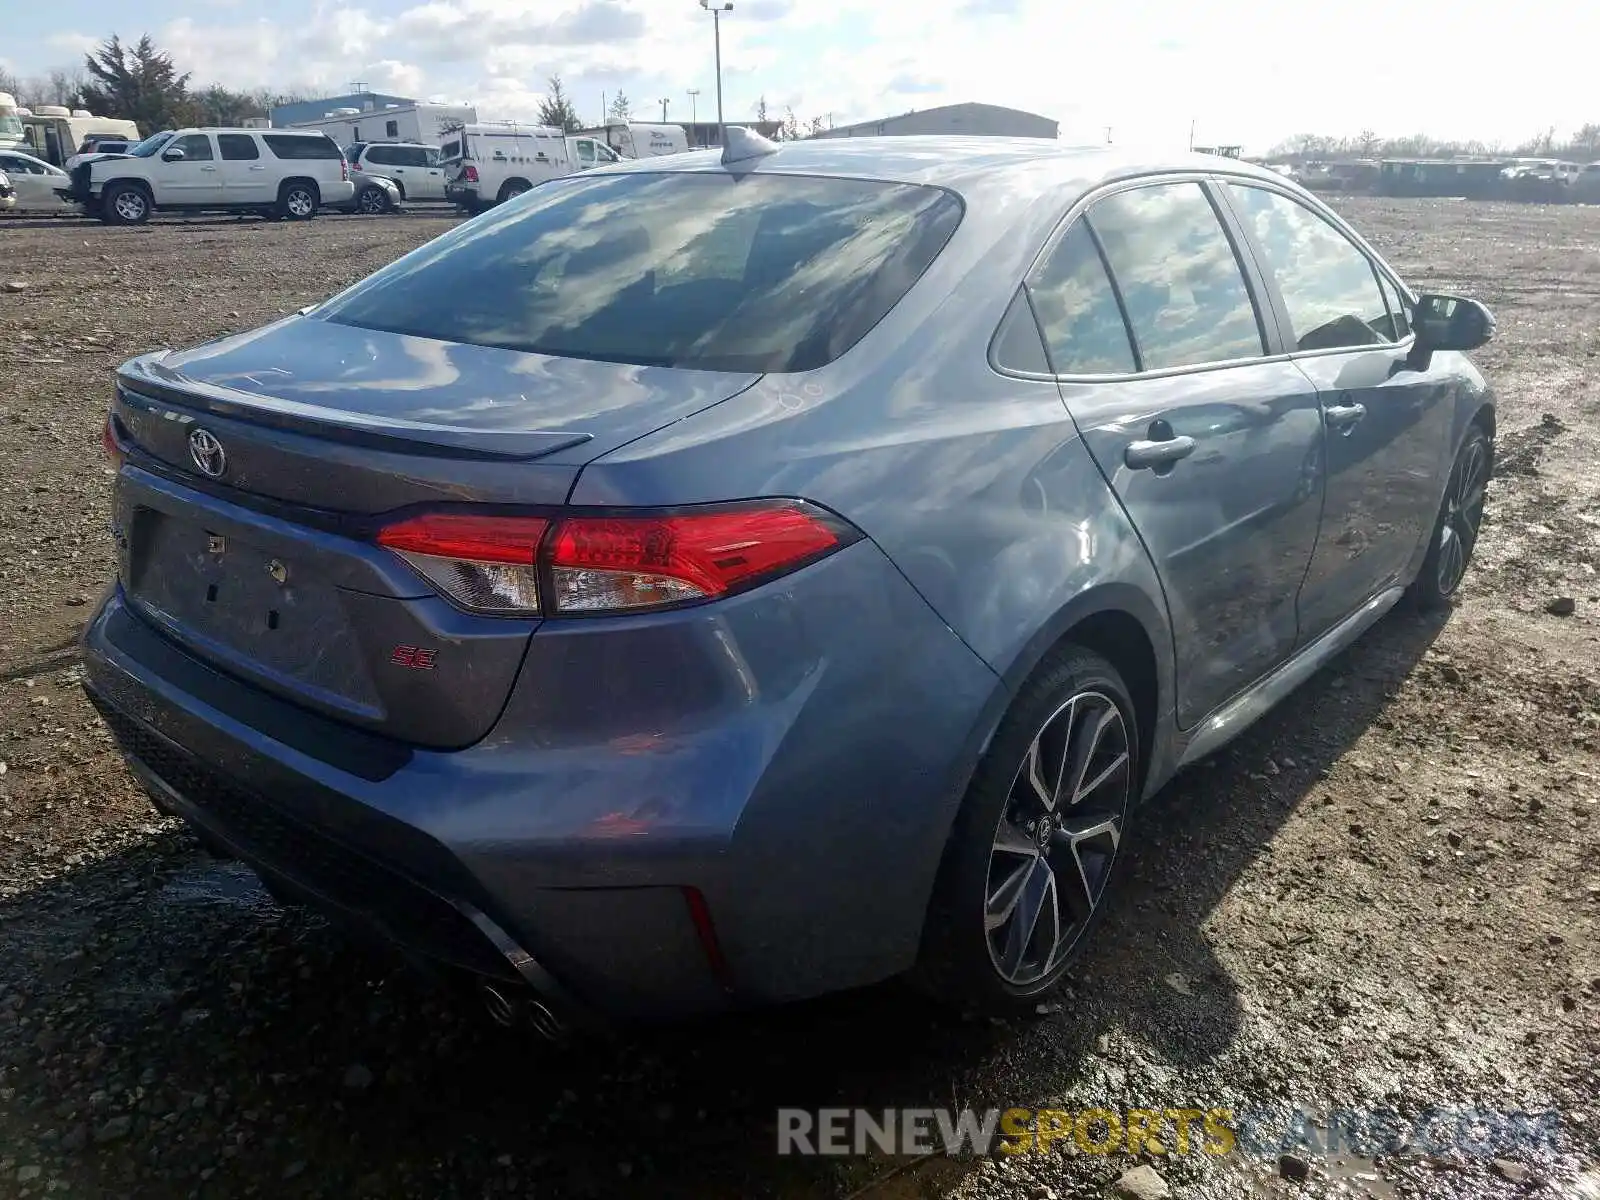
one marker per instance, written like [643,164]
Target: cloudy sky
[1254,71]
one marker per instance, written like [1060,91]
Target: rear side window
[286,145]
[1328,285]
[1084,332]
[450,150]
[711,271]
[238,147]
[1180,281]
[383,156]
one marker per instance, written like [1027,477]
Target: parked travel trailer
[632,140]
[489,163]
[424,124]
[10,121]
[54,133]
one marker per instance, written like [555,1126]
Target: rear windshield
[450,150]
[711,271]
[288,145]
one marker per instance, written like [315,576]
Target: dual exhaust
[513,1009]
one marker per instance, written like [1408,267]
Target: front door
[194,179]
[1212,450]
[1386,427]
[245,178]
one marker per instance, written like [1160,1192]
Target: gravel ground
[1387,894]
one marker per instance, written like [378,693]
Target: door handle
[258,167]
[1142,455]
[1343,416]
[208,168]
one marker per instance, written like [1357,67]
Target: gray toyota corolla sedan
[723,580]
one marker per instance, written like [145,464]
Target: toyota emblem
[207,453]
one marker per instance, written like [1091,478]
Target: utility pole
[694,116]
[664,104]
[716,10]
[1108,135]
[1191,134]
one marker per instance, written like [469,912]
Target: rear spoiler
[144,383]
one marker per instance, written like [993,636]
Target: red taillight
[108,443]
[470,173]
[466,535]
[615,563]
[488,564]
[344,168]
[607,563]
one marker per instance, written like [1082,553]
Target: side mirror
[1447,323]
[173,155]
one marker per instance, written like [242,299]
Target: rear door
[245,177]
[1387,426]
[1162,348]
[195,179]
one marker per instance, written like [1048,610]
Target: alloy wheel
[1057,838]
[130,206]
[298,202]
[373,202]
[1463,515]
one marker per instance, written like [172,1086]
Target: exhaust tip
[501,1008]
[545,1023]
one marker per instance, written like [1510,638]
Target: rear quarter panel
[975,485]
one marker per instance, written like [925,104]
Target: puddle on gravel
[222,884]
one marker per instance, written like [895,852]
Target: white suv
[286,173]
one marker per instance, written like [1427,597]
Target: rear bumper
[793,755]
[464,194]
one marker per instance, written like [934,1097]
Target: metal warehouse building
[284,115]
[988,120]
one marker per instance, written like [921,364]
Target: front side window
[413,156]
[1084,333]
[196,147]
[1181,283]
[707,271]
[238,147]
[1399,326]
[1328,285]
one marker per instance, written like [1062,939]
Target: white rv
[490,163]
[10,121]
[422,124]
[633,140]
[54,133]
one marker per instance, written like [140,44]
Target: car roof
[957,161]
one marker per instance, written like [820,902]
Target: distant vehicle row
[291,173]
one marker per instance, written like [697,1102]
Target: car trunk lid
[259,467]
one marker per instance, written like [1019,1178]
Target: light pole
[694,116]
[664,104]
[716,10]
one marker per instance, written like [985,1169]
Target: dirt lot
[1386,895]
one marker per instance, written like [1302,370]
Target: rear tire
[1036,846]
[298,200]
[125,204]
[374,201]
[511,189]
[1455,533]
